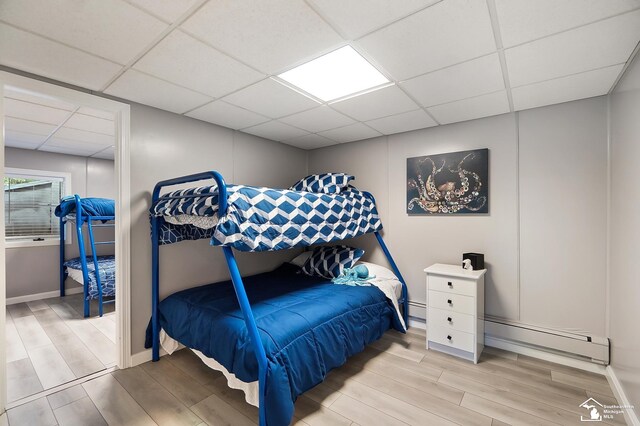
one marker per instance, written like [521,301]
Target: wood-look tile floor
[395,381]
[49,343]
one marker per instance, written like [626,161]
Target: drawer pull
[450,284]
[449,319]
[450,302]
[449,338]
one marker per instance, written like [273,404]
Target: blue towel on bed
[90,206]
[308,327]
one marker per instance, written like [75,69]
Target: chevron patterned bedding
[264,219]
[107,268]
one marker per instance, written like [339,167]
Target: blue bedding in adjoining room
[107,270]
[90,206]
[308,326]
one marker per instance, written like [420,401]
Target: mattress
[325,324]
[384,279]
[261,219]
[107,270]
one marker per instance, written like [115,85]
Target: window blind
[29,204]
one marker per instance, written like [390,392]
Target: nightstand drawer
[452,302]
[453,338]
[451,320]
[452,285]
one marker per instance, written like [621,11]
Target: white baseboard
[40,296]
[418,323]
[144,356]
[630,415]
[544,355]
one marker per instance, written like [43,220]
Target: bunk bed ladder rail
[236,279]
[405,296]
[80,220]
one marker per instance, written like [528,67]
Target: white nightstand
[455,310]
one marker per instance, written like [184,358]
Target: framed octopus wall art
[448,184]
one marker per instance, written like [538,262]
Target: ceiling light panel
[335,75]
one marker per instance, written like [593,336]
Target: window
[30,199]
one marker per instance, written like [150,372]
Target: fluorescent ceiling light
[335,75]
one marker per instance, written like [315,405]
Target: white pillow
[380,272]
[301,259]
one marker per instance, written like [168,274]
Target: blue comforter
[307,324]
[90,206]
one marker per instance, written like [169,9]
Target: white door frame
[121,113]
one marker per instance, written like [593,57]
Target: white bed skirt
[250,390]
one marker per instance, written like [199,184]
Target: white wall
[532,166]
[166,145]
[32,270]
[624,277]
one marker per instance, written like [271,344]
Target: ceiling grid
[448,60]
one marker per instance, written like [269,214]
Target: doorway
[58,143]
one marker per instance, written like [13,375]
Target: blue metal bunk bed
[221,205]
[98,272]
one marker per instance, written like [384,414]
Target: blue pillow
[330,261]
[325,183]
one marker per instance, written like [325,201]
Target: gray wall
[547,215]
[32,270]
[165,145]
[624,277]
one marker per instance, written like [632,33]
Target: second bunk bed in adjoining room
[277,334]
[88,213]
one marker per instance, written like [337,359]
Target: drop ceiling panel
[13,143]
[466,80]
[525,20]
[379,103]
[271,99]
[145,89]
[22,139]
[33,127]
[318,119]
[275,131]
[187,62]
[111,29]
[84,136]
[91,124]
[598,45]
[67,150]
[108,154]
[82,146]
[444,34]
[96,113]
[470,109]
[565,89]
[34,112]
[227,115]
[355,18]
[38,100]
[269,35]
[310,142]
[167,10]
[22,50]
[404,122]
[353,132]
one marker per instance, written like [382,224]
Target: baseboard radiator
[591,348]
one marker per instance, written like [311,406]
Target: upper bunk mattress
[90,206]
[308,326]
[261,219]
